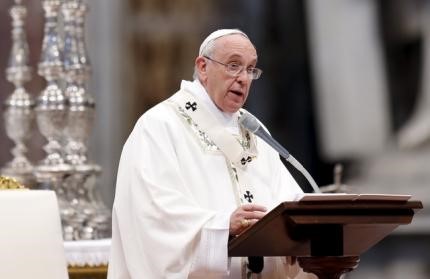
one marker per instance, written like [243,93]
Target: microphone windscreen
[249,122]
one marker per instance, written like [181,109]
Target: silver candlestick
[51,109]
[80,113]
[18,112]
[51,103]
[98,225]
[91,218]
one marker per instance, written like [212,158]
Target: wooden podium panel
[329,228]
[317,230]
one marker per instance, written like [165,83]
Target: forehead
[235,45]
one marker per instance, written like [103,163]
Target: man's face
[228,92]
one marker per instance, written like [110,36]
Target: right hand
[245,216]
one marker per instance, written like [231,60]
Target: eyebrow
[234,56]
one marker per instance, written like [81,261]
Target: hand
[245,216]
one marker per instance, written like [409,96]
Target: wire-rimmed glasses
[235,69]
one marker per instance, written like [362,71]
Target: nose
[243,76]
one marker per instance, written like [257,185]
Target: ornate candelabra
[76,72]
[51,107]
[51,103]
[64,113]
[91,219]
[18,113]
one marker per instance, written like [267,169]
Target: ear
[201,66]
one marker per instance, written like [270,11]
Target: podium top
[324,227]
[354,197]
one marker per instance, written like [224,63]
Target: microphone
[250,122]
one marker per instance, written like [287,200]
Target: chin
[233,109]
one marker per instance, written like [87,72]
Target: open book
[352,197]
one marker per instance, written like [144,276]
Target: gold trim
[88,272]
[204,139]
[9,183]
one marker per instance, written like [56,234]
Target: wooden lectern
[326,233]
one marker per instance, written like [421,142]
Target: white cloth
[175,195]
[30,236]
[226,118]
[87,252]
[237,149]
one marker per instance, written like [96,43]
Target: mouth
[237,92]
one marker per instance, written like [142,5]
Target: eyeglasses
[235,69]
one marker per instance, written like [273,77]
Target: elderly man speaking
[190,176]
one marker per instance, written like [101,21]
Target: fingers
[251,211]
[253,214]
[253,207]
[251,222]
[245,216]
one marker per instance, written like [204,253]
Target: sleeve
[169,234]
[211,256]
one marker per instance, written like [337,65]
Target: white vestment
[175,193]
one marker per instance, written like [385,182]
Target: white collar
[228,120]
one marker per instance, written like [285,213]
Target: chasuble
[178,182]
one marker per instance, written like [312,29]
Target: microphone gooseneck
[250,122]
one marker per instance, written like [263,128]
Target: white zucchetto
[217,34]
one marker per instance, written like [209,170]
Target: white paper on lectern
[352,197]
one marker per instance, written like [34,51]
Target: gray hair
[207,51]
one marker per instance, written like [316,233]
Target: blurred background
[345,81]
